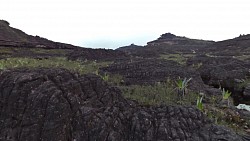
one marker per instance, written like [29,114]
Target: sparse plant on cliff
[197,66]
[225,95]
[96,72]
[199,103]
[182,86]
[105,77]
[116,79]
[1,66]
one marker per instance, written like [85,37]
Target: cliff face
[13,37]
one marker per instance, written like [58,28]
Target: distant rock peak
[168,36]
[5,22]
[171,39]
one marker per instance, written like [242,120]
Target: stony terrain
[151,71]
[45,104]
[57,91]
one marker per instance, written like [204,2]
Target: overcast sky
[114,23]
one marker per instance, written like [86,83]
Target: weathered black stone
[55,104]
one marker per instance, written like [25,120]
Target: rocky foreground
[55,104]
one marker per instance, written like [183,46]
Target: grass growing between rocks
[49,51]
[167,94]
[228,117]
[157,94]
[244,83]
[114,79]
[178,57]
[6,50]
[174,57]
[11,50]
[52,62]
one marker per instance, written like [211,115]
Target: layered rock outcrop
[96,54]
[46,104]
[151,71]
[225,72]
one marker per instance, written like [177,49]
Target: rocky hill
[168,43]
[238,47]
[13,37]
[171,39]
[242,41]
[22,44]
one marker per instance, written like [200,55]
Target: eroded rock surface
[151,71]
[53,105]
[96,54]
[224,72]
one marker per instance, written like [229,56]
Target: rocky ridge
[12,37]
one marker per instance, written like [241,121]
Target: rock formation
[55,104]
[12,37]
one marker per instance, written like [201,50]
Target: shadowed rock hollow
[53,105]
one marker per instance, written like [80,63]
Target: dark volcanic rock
[171,39]
[167,44]
[55,105]
[241,41]
[129,48]
[139,51]
[96,54]
[223,72]
[247,91]
[151,71]
[238,46]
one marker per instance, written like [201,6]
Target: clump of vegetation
[197,66]
[227,117]
[199,103]
[105,77]
[162,93]
[182,86]
[5,50]
[174,57]
[115,79]
[177,57]
[49,51]
[225,95]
